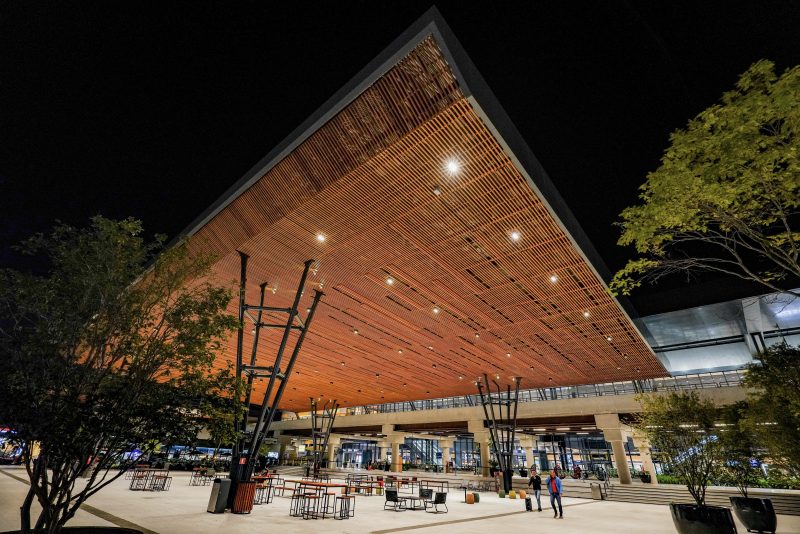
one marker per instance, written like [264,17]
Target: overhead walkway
[577,412]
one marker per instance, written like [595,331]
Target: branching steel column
[244,459]
[321,425]
[501,429]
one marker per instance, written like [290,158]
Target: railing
[673,383]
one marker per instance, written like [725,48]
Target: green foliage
[670,479]
[775,405]
[739,446]
[221,408]
[727,193]
[681,427]
[112,349]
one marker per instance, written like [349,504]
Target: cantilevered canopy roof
[447,252]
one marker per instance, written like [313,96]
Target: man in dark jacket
[536,483]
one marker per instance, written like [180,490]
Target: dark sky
[154,110]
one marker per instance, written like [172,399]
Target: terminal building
[445,254]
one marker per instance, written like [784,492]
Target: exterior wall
[611,404]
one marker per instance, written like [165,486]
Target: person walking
[554,487]
[536,484]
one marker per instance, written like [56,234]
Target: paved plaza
[181,510]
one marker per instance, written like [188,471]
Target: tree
[774,412]
[740,447]
[725,198]
[111,349]
[681,427]
[221,408]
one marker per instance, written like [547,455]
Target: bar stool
[296,503]
[328,504]
[347,507]
[311,505]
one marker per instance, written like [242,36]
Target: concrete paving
[181,510]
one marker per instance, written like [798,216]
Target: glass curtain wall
[357,454]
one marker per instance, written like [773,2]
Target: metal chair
[394,502]
[440,499]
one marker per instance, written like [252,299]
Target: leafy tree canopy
[682,428]
[726,196]
[113,348]
[774,412]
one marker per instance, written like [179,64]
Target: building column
[445,445]
[331,453]
[481,436]
[529,450]
[395,439]
[641,443]
[613,432]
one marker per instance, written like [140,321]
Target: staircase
[785,501]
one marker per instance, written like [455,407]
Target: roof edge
[368,75]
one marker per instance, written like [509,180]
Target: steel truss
[245,452]
[501,429]
[321,424]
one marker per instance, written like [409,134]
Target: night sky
[154,110]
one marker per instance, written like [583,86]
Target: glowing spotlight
[390,281]
[452,166]
[321,238]
[515,236]
[553,279]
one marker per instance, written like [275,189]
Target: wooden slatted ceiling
[365,181]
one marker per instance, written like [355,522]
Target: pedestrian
[554,487]
[536,483]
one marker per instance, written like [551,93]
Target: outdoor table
[318,487]
[414,502]
[441,485]
[197,476]
[265,486]
[143,479]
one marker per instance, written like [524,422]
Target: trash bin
[219,495]
[597,493]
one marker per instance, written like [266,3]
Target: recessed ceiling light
[609,338]
[508,354]
[430,347]
[253,331]
[433,365]
[497,376]
[390,280]
[321,238]
[437,191]
[342,364]
[460,377]
[452,166]
[587,314]
[436,309]
[400,351]
[553,278]
[515,236]
[477,335]
[355,332]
